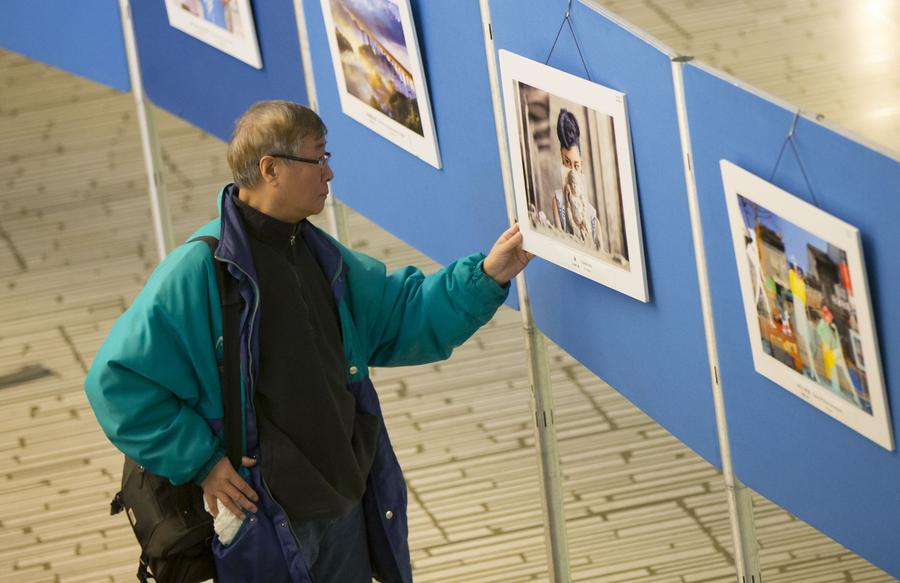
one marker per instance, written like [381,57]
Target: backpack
[170,523]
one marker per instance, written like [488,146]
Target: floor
[76,246]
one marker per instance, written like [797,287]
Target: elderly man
[324,495]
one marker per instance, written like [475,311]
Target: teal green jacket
[154,384]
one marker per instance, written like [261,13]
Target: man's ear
[268,169]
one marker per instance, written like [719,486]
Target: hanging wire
[568,20]
[789,139]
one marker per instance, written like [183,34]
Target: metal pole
[335,212]
[162,225]
[536,346]
[740,508]
[337,218]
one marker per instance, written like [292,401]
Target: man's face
[303,186]
[571,158]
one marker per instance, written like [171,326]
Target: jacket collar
[234,246]
[264,228]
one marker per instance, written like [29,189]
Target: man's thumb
[512,242]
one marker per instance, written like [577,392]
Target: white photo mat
[240,42]
[406,64]
[803,222]
[541,236]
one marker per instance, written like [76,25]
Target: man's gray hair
[269,127]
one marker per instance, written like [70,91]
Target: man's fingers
[245,488]
[237,497]
[245,503]
[248,461]
[213,504]
[508,233]
[513,237]
[233,500]
[232,507]
[226,487]
[513,241]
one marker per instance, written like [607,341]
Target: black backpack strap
[143,573]
[230,372]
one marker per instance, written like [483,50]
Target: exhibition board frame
[822,471]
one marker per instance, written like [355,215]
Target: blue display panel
[810,464]
[654,353]
[444,213]
[82,37]
[208,87]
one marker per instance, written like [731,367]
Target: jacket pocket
[254,554]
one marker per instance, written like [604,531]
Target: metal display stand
[162,224]
[536,347]
[740,508]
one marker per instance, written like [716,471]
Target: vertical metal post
[740,509]
[335,212]
[538,369]
[162,225]
[337,221]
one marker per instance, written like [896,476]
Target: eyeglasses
[321,161]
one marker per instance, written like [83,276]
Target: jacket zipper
[333,279]
[293,271]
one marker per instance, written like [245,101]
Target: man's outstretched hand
[507,257]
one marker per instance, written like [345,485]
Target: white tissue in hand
[225,524]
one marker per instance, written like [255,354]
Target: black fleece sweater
[316,448]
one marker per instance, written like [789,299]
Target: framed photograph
[573,173]
[224,24]
[381,82]
[806,299]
